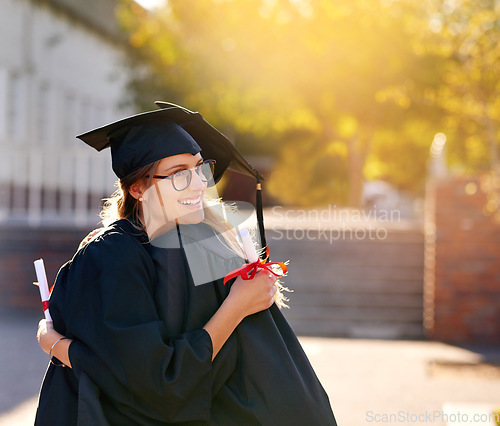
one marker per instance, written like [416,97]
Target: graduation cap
[144,138]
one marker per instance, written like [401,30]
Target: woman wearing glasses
[147,333]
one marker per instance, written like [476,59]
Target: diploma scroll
[248,247]
[248,271]
[43,286]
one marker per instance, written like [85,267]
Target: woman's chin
[191,216]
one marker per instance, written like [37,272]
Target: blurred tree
[336,91]
[465,36]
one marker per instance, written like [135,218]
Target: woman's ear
[136,190]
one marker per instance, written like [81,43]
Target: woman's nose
[196,183]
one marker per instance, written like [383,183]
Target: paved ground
[368,381]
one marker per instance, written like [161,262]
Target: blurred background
[376,124]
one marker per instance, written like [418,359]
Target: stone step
[347,255]
[358,300]
[313,273]
[349,314]
[355,288]
[369,288]
[346,261]
[336,237]
[359,329]
[386,244]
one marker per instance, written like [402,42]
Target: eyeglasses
[182,179]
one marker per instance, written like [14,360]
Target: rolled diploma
[43,286]
[248,247]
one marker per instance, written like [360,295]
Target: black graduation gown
[146,359]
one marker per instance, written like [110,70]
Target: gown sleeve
[103,300]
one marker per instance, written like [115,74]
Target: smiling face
[172,199]
[184,205]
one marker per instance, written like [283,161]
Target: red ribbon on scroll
[248,271]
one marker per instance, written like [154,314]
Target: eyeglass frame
[171,177]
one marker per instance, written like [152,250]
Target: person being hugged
[145,332]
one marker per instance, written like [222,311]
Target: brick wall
[19,247]
[462,264]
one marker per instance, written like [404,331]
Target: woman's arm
[48,338]
[245,298]
[104,300]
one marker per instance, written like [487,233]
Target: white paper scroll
[43,286]
[248,246]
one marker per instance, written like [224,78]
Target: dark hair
[121,205]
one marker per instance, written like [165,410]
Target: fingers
[270,276]
[256,294]
[44,328]
[42,325]
[41,329]
[272,291]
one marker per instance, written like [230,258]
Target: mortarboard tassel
[260,215]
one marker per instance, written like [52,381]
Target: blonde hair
[122,205]
[228,230]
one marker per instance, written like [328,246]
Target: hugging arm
[121,344]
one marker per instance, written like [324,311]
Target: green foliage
[336,91]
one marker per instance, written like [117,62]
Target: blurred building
[62,72]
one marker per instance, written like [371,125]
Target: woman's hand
[255,295]
[48,339]
[46,335]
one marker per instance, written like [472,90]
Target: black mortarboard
[217,147]
[213,143]
[144,138]
[141,139]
